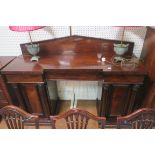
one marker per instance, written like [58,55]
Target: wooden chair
[77,119]
[16,118]
[140,119]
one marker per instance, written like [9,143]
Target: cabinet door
[118,100]
[33,97]
[3,94]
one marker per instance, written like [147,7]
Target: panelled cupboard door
[32,97]
[118,99]
[2,95]
[5,98]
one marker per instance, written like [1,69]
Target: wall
[9,45]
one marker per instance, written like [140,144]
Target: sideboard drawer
[24,78]
[95,76]
[123,79]
[88,75]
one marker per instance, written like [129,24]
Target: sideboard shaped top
[70,53]
[75,44]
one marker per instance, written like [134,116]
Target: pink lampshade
[25,28]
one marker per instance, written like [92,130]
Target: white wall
[9,45]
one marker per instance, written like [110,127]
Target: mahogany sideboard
[75,58]
[5,98]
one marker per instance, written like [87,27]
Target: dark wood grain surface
[4,60]
[67,62]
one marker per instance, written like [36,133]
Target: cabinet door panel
[4,96]
[119,98]
[32,98]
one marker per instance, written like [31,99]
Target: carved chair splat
[77,119]
[140,119]
[15,118]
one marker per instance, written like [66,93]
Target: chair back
[77,119]
[15,118]
[140,119]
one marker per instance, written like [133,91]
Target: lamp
[33,49]
[70,30]
[121,49]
